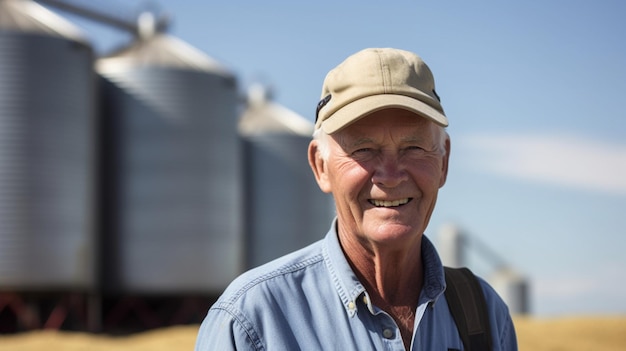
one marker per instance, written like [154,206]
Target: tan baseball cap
[375,79]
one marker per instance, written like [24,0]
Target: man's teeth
[382,203]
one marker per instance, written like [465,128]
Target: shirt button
[351,305]
[388,333]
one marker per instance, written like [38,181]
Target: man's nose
[389,172]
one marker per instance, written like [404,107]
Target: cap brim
[369,104]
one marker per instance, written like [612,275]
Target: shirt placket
[387,329]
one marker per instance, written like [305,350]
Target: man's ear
[318,166]
[445,163]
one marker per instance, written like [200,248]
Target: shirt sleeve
[220,330]
[503,334]
[508,337]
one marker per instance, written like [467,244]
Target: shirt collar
[434,278]
[349,287]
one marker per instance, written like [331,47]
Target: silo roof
[164,50]
[29,17]
[263,116]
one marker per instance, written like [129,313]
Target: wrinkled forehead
[392,125]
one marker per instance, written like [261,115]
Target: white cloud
[553,159]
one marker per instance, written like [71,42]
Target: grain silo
[514,289]
[285,209]
[172,169]
[455,244]
[450,245]
[47,152]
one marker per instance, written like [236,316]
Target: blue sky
[534,91]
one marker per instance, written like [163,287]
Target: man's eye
[362,151]
[416,150]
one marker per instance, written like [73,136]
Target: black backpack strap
[469,309]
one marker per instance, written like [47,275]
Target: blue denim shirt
[312,300]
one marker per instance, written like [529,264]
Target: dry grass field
[571,334]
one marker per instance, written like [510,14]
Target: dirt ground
[571,334]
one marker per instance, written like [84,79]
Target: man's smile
[385,203]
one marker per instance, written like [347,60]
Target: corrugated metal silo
[47,150]
[285,209]
[172,171]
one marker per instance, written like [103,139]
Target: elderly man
[375,282]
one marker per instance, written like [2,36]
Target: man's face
[384,172]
